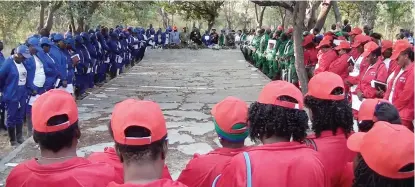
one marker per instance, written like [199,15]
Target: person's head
[328,107]
[376,37]
[316,31]
[371,52]
[359,42]
[184,29]
[230,120]
[59,40]
[45,44]
[44,32]
[268,30]
[308,41]
[278,114]
[1,46]
[21,53]
[55,121]
[367,29]
[333,26]
[151,25]
[386,156]
[290,32]
[374,110]
[387,48]
[403,52]
[174,29]
[33,44]
[352,34]
[345,22]
[324,45]
[140,135]
[343,48]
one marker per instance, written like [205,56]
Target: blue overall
[105,64]
[113,51]
[81,68]
[92,56]
[14,95]
[60,61]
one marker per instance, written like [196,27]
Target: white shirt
[22,73]
[394,84]
[40,76]
[356,68]
[387,63]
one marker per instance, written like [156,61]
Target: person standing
[326,55]
[400,91]
[13,75]
[2,119]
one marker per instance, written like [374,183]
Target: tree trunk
[311,19]
[43,6]
[80,25]
[210,25]
[72,21]
[324,11]
[52,10]
[368,12]
[336,11]
[259,15]
[164,17]
[298,22]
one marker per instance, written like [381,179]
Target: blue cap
[68,34]
[33,41]
[57,37]
[24,51]
[121,35]
[90,31]
[79,39]
[45,40]
[84,35]
[35,35]
[113,34]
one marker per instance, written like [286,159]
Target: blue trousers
[81,82]
[16,112]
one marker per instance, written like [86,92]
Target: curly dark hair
[366,177]
[383,112]
[144,153]
[266,120]
[329,114]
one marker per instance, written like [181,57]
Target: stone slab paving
[186,84]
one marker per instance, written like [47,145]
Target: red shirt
[157,183]
[346,180]
[334,152]
[324,60]
[375,72]
[340,66]
[354,53]
[278,164]
[110,157]
[75,172]
[202,170]
[310,56]
[403,94]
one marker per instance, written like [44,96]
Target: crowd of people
[381,153]
[371,68]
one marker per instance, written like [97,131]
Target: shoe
[19,134]
[12,136]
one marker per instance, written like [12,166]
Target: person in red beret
[341,65]
[310,54]
[325,56]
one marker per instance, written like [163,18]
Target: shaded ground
[186,84]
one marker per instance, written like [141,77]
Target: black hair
[410,53]
[346,21]
[333,26]
[316,30]
[383,112]
[330,114]
[266,120]
[137,153]
[43,45]
[364,176]
[377,52]
[55,141]
[376,36]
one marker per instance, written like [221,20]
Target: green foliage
[199,10]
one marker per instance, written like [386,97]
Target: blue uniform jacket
[30,65]
[113,50]
[9,77]
[2,59]
[82,66]
[69,64]
[162,37]
[60,61]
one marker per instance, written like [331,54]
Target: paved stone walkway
[186,84]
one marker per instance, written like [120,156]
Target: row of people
[365,62]
[333,155]
[73,63]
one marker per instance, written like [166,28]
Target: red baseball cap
[385,148]
[367,109]
[133,112]
[399,47]
[341,38]
[360,39]
[343,45]
[329,33]
[356,31]
[386,44]
[290,30]
[53,103]
[369,48]
[323,43]
[280,28]
[328,37]
[308,39]
[321,85]
[272,92]
[229,112]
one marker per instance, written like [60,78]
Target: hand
[34,93]
[360,95]
[64,84]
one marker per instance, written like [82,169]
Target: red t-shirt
[75,172]
[278,164]
[334,152]
[110,157]
[346,180]
[202,170]
[157,183]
